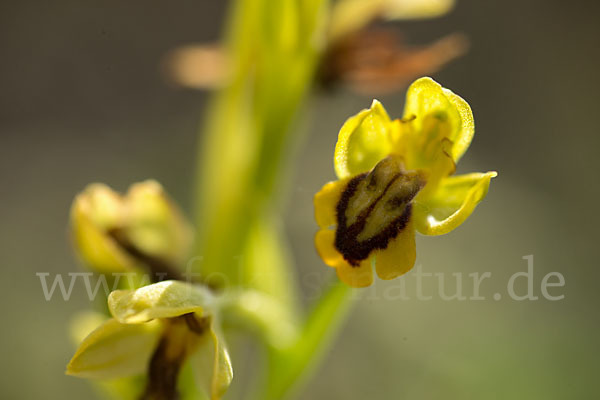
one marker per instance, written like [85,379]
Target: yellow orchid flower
[115,233]
[395,178]
[154,330]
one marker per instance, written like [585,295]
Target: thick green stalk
[273,48]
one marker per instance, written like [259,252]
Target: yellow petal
[363,141]
[425,97]
[325,244]
[212,364]
[451,204]
[399,256]
[356,276]
[326,200]
[165,299]
[115,350]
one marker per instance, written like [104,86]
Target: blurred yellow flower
[154,330]
[394,178]
[349,16]
[115,233]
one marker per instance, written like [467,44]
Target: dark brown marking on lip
[159,269]
[198,326]
[170,354]
[162,374]
[166,361]
[346,237]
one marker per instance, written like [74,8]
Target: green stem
[274,48]
[273,52]
[291,367]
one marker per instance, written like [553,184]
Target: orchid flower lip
[388,188]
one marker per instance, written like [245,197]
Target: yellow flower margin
[123,345]
[435,131]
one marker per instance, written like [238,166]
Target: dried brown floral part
[377,61]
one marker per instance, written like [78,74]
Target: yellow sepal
[426,97]
[115,350]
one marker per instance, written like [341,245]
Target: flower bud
[115,233]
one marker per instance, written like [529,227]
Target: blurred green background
[82,99]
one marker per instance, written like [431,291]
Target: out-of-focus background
[82,99]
